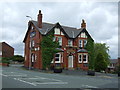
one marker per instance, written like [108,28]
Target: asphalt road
[17,77]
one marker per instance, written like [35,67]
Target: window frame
[79,58]
[60,41]
[71,42]
[58,58]
[81,44]
[86,58]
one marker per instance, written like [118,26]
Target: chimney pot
[83,24]
[39,20]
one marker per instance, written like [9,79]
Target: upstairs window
[85,42]
[54,39]
[32,34]
[60,41]
[32,43]
[80,43]
[70,42]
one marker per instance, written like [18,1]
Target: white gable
[57,31]
[83,35]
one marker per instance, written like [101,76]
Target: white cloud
[101,19]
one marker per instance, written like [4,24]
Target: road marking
[24,81]
[87,86]
[52,83]
[3,75]
[34,83]
[48,78]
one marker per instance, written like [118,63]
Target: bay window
[57,57]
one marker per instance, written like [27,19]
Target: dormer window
[70,42]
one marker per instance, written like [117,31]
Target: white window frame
[79,58]
[85,42]
[70,42]
[32,43]
[86,58]
[81,43]
[32,57]
[60,41]
[59,58]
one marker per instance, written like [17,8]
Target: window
[85,42]
[57,57]
[32,28]
[57,31]
[54,39]
[80,58]
[0,52]
[60,41]
[32,34]
[32,57]
[32,43]
[85,58]
[70,42]
[80,43]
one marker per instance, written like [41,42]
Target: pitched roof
[46,27]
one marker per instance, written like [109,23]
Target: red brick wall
[38,63]
[37,38]
[7,50]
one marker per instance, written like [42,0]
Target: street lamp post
[30,48]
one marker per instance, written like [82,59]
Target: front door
[70,62]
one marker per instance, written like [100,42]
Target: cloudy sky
[101,19]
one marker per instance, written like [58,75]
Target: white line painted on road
[87,86]
[25,81]
[48,78]
[52,83]
[3,75]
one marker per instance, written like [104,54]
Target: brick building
[71,40]
[6,50]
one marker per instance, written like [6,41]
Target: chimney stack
[39,19]
[83,24]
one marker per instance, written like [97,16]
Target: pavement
[16,76]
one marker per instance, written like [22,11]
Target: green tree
[100,62]
[103,58]
[90,49]
[18,58]
[48,47]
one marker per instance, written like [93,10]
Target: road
[17,77]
